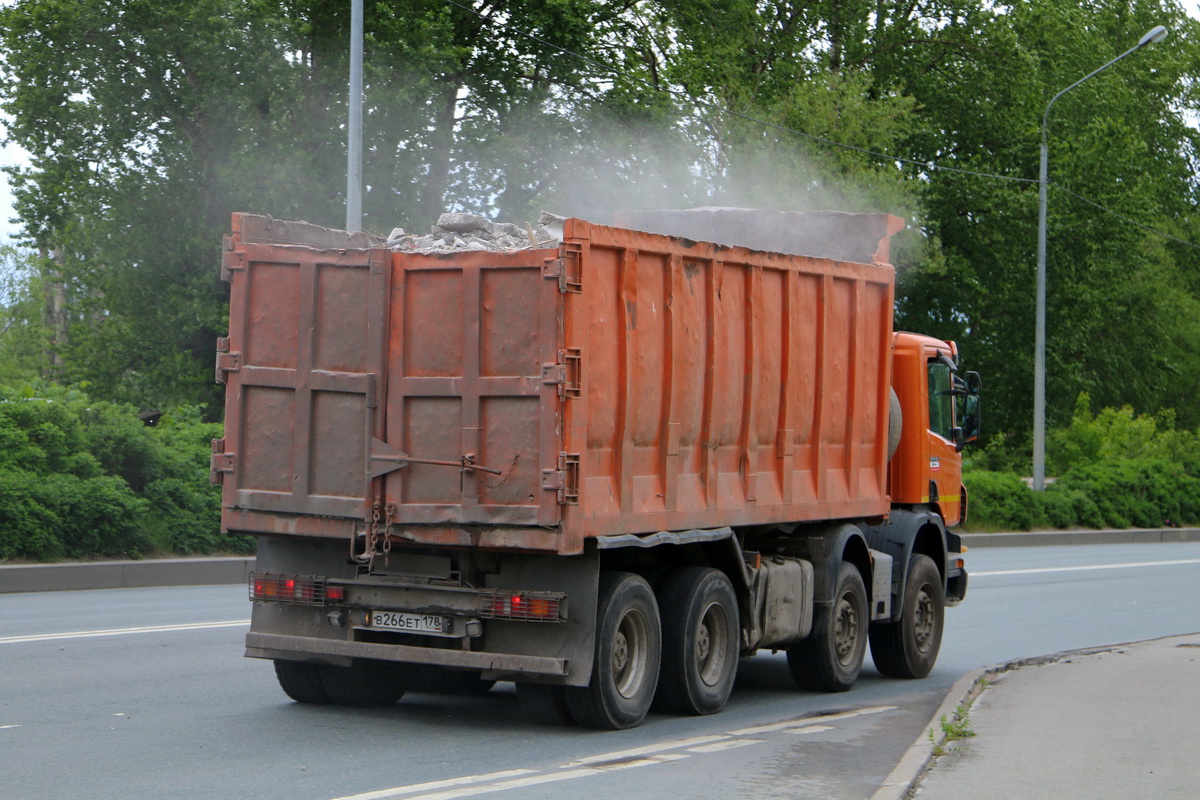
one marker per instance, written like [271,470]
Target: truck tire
[545,704]
[831,658]
[301,681]
[365,683]
[628,654]
[700,641]
[908,647]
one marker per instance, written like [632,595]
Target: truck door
[472,431]
[301,364]
[945,464]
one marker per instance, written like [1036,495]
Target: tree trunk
[441,152]
[54,314]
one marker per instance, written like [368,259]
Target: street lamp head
[1155,34]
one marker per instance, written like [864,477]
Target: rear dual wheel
[700,641]
[545,704]
[364,683]
[627,656]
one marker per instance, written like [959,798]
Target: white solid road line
[195,626]
[1090,567]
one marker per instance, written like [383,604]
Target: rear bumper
[299,648]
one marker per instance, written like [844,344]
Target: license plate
[411,623]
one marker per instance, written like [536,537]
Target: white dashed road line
[650,755]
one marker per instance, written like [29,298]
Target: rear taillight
[522,606]
[304,590]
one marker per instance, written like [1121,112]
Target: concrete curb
[124,574]
[913,763]
[1051,538]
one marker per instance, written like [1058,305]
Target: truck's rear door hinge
[226,361]
[566,373]
[565,479]
[566,268]
[221,462]
[231,259]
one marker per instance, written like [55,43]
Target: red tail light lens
[300,589]
[522,606]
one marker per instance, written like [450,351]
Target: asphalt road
[144,693]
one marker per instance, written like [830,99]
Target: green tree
[149,121]
[23,335]
[1121,303]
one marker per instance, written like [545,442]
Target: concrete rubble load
[462,232]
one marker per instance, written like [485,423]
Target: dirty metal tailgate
[473,390]
[302,366]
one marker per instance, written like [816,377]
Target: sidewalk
[1114,722]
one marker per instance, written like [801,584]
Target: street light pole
[354,123]
[1155,34]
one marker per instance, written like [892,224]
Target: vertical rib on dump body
[622,383]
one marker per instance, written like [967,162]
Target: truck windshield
[941,400]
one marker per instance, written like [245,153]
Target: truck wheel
[544,704]
[365,683]
[831,657]
[301,681]
[628,653]
[908,647]
[700,641]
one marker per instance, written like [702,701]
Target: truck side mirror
[968,410]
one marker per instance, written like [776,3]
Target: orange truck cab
[941,414]
[936,408]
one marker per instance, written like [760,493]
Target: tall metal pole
[1155,34]
[1039,355]
[354,127]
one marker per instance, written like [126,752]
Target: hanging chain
[512,465]
[379,532]
[389,516]
[373,531]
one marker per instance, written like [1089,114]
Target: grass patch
[954,728]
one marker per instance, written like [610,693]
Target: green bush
[1142,493]
[27,527]
[98,516]
[1117,493]
[1063,507]
[1115,469]
[187,506]
[80,480]
[1001,501]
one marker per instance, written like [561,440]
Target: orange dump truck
[604,469]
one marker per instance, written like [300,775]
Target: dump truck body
[449,456]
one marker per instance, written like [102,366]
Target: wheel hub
[703,643]
[923,621]
[845,638]
[629,653]
[620,653]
